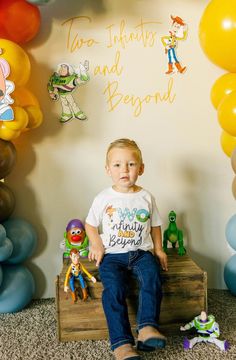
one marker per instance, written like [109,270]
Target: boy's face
[124,167]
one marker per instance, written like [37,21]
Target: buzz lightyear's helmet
[75,223]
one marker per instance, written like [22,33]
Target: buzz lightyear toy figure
[208,330]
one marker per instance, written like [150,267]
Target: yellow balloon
[227,113]
[217,33]
[18,60]
[35,116]
[20,119]
[24,97]
[222,87]
[228,143]
[8,134]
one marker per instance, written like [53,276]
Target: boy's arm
[96,248]
[158,250]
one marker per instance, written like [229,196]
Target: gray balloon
[234,187]
[233,160]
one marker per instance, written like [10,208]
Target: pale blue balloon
[230,274]
[6,249]
[23,237]
[230,232]
[17,288]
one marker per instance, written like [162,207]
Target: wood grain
[184,297]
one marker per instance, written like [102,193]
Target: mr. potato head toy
[75,238]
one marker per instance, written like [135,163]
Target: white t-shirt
[125,219]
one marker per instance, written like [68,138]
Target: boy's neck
[132,189]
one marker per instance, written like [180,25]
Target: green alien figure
[174,235]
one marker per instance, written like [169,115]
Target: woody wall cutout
[178,32]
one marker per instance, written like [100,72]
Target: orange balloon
[24,97]
[20,20]
[227,113]
[35,116]
[222,87]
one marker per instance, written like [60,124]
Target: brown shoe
[126,352]
[150,339]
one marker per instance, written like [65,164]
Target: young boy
[131,227]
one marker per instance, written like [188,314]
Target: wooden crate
[184,297]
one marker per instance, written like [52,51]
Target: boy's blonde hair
[125,143]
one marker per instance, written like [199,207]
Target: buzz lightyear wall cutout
[178,32]
[6,88]
[61,86]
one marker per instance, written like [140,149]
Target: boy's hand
[96,252]
[162,258]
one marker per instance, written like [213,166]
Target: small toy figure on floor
[74,272]
[174,235]
[208,330]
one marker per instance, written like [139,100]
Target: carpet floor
[31,334]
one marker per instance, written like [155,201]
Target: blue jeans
[114,273]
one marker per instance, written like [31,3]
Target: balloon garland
[217,35]
[19,112]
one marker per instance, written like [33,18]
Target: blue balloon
[23,237]
[2,234]
[6,249]
[17,288]
[230,232]
[230,274]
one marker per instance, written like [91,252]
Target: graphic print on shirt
[127,226]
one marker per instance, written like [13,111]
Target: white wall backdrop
[60,167]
